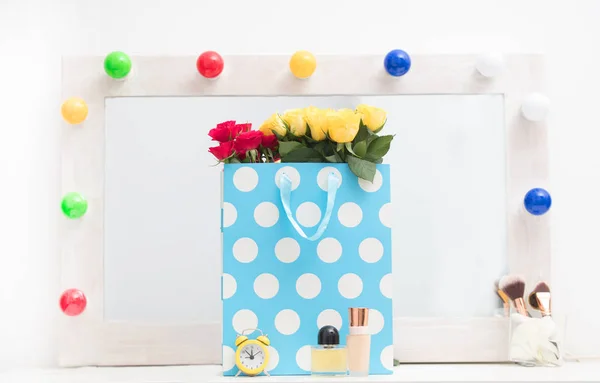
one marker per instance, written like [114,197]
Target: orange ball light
[74,110]
[303,64]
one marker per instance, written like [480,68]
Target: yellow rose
[373,118]
[295,121]
[273,124]
[317,122]
[343,125]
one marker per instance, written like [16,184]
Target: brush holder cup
[536,341]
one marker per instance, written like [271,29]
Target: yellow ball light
[74,110]
[303,64]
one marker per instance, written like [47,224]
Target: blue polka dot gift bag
[302,243]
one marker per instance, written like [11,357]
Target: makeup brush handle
[520,307]
[544,303]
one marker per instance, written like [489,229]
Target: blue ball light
[397,63]
[537,201]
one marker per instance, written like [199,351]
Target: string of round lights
[210,64]
[537,201]
[74,110]
[535,107]
[397,63]
[74,205]
[490,64]
[72,302]
[302,65]
[117,65]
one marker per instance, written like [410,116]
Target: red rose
[270,142]
[222,132]
[223,151]
[240,128]
[226,124]
[248,141]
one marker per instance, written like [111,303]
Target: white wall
[34,34]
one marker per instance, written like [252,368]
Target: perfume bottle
[358,342]
[329,358]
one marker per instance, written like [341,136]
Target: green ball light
[74,205]
[117,65]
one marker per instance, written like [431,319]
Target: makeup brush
[540,299]
[503,296]
[514,287]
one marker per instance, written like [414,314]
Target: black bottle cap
[329,336]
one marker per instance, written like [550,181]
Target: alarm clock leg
[238,373]
[266,373]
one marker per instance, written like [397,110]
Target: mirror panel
[162,198]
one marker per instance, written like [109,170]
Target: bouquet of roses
[309,135]
[239,143]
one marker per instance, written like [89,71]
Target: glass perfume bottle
[329,358]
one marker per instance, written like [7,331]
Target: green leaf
[290,137]
[279,136]
[324,148]
[348,146]
[309,139]
[288,146]
[307,134]
[333,147]
[320,147]
[363,169]
[234,161]
[340,147]
[269,155]
[334,158]
[373,159]
[372,137]
[360,149]
[362,134]
[379,147]
[396,362]
[302,154]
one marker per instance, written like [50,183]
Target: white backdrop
[34,34]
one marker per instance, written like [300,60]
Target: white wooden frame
[88,340]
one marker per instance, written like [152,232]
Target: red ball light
[73,302]
[210,64]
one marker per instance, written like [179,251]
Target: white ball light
[535,107]
[490,64]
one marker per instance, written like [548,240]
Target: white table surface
[572,371]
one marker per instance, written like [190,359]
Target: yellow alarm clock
[252,355]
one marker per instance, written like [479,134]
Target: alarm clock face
[252,356]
